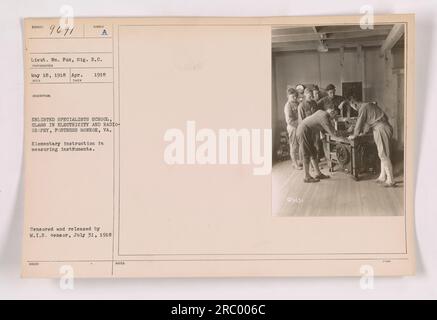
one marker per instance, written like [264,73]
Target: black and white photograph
[338,120]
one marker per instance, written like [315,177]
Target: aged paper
[130,166]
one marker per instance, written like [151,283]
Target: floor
[338,196]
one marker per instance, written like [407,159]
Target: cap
[330,87]
[291,90]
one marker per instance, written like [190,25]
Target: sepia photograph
[338,120]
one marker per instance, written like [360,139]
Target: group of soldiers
[308,114]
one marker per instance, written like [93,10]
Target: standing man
[319,140]
[317,95]
[331,100]
[291,118]
[307,130]
[371,117]
[308,106]
[300,89]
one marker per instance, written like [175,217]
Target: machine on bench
[355,157]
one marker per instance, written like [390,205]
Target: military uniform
[327,102]
[311,127]
[306,108]
[371,117]
[291,118]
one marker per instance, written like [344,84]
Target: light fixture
[322,47]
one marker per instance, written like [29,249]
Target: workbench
[355,157]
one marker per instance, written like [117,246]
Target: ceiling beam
[313,43]
[283,31]
[395,34]
[329,42]
[296,47]
[339,29]
[291,31]
[358,35]
[355,41]
[296,38]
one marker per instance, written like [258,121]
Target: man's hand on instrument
[351,137]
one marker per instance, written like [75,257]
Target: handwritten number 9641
[59,30]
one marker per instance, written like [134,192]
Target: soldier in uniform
[308,106]
[291,118]
[331,100]
[371,117]
[307,132]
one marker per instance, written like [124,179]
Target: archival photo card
[219,147]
